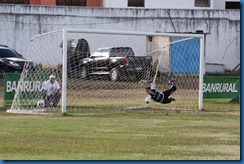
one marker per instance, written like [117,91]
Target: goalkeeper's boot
[172,82]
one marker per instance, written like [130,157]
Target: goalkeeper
[51,92]
[161,97]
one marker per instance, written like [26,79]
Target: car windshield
[100,53]
[121,52]
[8,53]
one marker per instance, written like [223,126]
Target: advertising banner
[10,85]
[221,87]
[31,86]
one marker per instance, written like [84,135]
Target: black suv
[12,61]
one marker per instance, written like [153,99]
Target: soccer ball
[146,100]
[40,104]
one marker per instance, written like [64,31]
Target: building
[20,23]
[88,3]
[174,4]
[163,4]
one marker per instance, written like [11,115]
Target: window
[15,1]
[121,52]
[232,5]
[202,3]
[8,53]
[136,3]
[71,2]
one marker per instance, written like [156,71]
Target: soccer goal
[100,69]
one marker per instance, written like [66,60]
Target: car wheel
[114,74]
[83,73]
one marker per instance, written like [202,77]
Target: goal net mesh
[104,71]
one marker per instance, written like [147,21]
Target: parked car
[12,61]
[117,63]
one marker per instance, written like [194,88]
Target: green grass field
[138,134]
[121,135]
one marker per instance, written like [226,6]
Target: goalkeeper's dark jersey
[156,96]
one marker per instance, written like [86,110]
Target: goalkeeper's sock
[142,81]
[172,82]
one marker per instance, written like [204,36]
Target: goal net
[105,69]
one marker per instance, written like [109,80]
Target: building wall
[115,3]
[89,3]
[20,23]
[43,2]
[94,3]
[220,4]
[169,4]
[163,4]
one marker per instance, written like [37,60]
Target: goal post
[102,69]
[64,72]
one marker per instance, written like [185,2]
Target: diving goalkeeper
[161,97]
